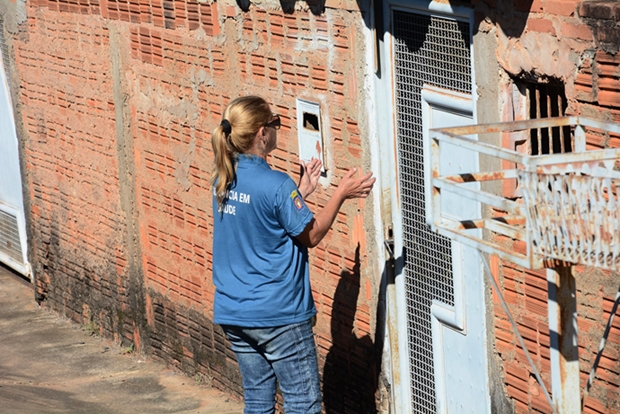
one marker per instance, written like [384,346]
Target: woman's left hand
[309,177]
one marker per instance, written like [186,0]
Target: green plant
[202,379]
[128,350]
[90,328]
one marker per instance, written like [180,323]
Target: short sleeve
[292,212]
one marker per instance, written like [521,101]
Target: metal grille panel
[436,51]
[546,100]
[9,237]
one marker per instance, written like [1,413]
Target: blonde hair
[246,115]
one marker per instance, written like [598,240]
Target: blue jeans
[286,353]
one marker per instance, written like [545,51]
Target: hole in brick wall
[311,121]
[547,100]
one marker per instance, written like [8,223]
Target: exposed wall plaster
[14,13]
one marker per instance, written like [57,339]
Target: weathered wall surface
[118,99]
[574,44]
[73,169]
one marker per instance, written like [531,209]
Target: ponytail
[241,121]
[224,171]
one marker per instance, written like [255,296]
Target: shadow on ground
[50,365]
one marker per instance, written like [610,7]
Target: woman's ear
[259,134]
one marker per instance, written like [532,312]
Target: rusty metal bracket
[516,331]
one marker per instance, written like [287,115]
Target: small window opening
[311,121]
[548,100]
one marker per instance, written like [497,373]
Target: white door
[441,353]
[459,329]
[12,220]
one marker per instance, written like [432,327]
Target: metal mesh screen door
[428,50]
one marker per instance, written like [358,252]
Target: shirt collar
[250,159]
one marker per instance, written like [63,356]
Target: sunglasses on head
[275,122]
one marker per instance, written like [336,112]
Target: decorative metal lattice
[435,51]
[574,217]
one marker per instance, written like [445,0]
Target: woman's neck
[253,154]
[257,151]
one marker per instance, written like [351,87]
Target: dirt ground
[49,364]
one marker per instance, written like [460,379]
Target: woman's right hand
[349,187]
[356,187]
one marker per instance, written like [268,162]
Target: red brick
[541,26]
[598,9]
[528,332]
[609,83]
[520,373]
[576,31]
[608,70]
[535,293]
[215,21]
[536,306]
[561,7]
[607,58]
[594,406]
[517,394]
[609,98]
[584,87]
[608,34]
[521,407]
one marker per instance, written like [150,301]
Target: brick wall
[597,92]
[572,42]
[72,165]
[118,99]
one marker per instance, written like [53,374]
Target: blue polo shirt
[260,270]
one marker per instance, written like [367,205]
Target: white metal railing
[570,205]
[567,211]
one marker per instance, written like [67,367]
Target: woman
[261,235]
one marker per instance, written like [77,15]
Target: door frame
[12,201]
[385,98]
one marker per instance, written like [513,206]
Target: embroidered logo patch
[297,200]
